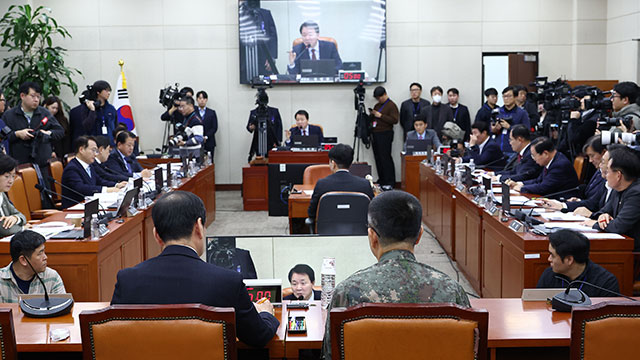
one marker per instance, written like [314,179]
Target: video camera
[606,123]
[261,83]
[556,97]
[89,94]
[597,99]
[454,152]
[359,93]
[169,95]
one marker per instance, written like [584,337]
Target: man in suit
[179,276]
[520,166]
[592,194]
[79,175]
[621,214]
[340,159]
[33,128]
[303,128]
[438,114]
[302,279]
[557,173]
[209,120]
[460,112]
[413,106]
[99,165]
[482,149]
[311,48]
[422,133]
[120,160]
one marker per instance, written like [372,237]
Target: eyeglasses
[414,90]
[374,229]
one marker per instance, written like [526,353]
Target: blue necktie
[128,166]
[89,171]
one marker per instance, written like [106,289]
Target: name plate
[516,226]
[460,187]
[493,209]
[476,199]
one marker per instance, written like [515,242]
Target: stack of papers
[568,225]
[603,235]
[559,216]
[515,200]
[498,190]
[51,228]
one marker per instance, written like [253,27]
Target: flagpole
[124,80]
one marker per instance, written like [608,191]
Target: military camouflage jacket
[396,278]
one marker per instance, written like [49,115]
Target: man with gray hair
[394,230]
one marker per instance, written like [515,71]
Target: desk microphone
[306,48]
[51,178]
[44,308]
[565,300]
[75,202]
[482,166]
[562,192]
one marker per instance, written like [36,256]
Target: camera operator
[33,128]
[510,114]
[192,137]
[99,117]
[625,99]
[526,104]
[274,122]
[172,114]
[581,126]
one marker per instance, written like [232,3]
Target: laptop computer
[506,201]
[318,68]
[124,205]
[299,141]
[90,208]
[416,145]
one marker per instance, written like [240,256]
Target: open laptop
[90,208]
[124,205]
[416,145]
[318,68]
[302,142]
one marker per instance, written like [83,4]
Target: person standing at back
[383,116]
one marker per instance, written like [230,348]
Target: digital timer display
[352,76]
[272,293]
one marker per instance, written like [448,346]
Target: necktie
[89,172]
[421,137]
[313,54]
[128,166]
[305,132]
[519,157]
[545,171]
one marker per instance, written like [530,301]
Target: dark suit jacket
[116,164]
[491,155]
[179,276]
[407,113]
[444,115]
[313,130]
[75,177]
[462,118]
[523,169]
[210,122]
[593,194]
[317,295]
[21,149]
[107,173]
[339,181]
[560,176]
[624,208]
[327,51]
[484,113]
[76,118]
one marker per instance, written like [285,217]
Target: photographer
[625,98]
[274,122]
[99,117]
[510,114]
[581,127]
[192,137]
[33,128]
[172,114]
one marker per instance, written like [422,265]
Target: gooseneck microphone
[49,178]
[42,188]
[482,166]
[47,307]
[306,49]
[570,297]
[562,192]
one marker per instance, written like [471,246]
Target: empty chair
[608,330]
[30,179]
[314,173]
[7,336]
[56,172]
[187,331]
[18,196]
[342,213]
[408,331]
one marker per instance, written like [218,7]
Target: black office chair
[342,213]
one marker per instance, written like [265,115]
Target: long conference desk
[517,330]
[497,261]
[89,267]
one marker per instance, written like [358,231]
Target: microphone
[42,123]
[562,192]
[482,166]
[49,307]
[42,188]
[565,301]
[306,48]
[52,179]
[300,298]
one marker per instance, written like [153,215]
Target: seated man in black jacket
[483,149]
[621,213]
[99,165]
[302,279]
[521,166]
[120,160]
[569,260]
[340,159]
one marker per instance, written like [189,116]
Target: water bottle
[141,200]
[438,166]
[328,278]
[472,165]
[95,227]
[209,158]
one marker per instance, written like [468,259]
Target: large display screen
[312,41]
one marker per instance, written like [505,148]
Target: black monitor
[486,181]
[317,68]
[506,201]
[159,180]
[137,183]
[445,163]
[299,141]
[468,177]
[416,145]
[126,202]
[90,208]
[168,174]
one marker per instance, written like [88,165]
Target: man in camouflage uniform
[394,229]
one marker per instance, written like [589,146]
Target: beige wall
[194,42]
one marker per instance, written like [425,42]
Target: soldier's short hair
[395,216]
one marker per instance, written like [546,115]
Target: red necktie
[313,54]
[545,171]
[519,157]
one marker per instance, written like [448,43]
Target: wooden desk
[491,254]
[411,173]
[298,157]
[299,204]
[89,267]
[150,163]
[255,188]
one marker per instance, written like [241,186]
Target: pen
[262,300]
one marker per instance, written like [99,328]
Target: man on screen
[311,48]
